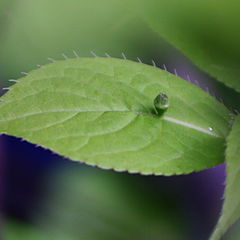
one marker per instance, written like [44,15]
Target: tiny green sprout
[161,103]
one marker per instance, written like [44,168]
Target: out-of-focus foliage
[233,233]
[15,230]
[40,29]
[206,31]
[100,205]
[5,8]
[37,29]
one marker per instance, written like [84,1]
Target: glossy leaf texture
[101,111]
[205,31]
[231,207]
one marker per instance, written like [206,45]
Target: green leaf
[101,111]
[231,206]
[204,31]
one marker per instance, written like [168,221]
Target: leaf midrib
[166,118]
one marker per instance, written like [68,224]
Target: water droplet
[161,103]
[210,129]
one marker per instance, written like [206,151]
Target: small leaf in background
[231,206]
[101,111]
[205,31]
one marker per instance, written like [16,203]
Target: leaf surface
[205,31]
[100,111]
[231,206]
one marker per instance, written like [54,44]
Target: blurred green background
[47,197]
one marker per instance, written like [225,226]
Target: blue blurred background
[44,196]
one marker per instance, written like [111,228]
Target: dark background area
[193,200]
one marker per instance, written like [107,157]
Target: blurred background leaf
[37,30]
[98,205]
[233,232]
[16,230]
[205,31]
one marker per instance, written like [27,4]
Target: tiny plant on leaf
[161,103]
